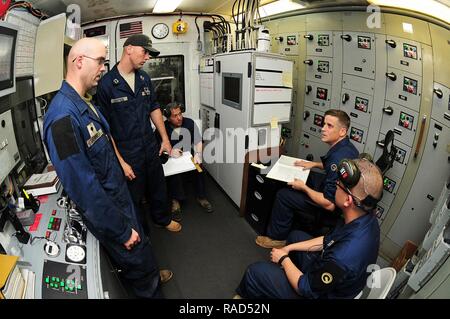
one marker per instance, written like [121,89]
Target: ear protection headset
[167,109]
[349,175]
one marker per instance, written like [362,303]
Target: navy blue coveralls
[81,151]
[128,114]
[188,136]
[288,200]
[347,253]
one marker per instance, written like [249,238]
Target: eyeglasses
[101,60]
[345,189]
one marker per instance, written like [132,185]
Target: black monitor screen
[7,53]
[25,126]
[232,92]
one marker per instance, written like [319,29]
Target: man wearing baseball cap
[128,101]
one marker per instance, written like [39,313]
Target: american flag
[127,29]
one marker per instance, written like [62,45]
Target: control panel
[318,96]
[319,69]
[319,43]
[61,281]
[60,252]
[359,54]
[404,54]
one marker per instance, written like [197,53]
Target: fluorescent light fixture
[278,7]
[434,8]
[165,6]
[408,28]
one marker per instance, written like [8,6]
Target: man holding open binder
[316,196]
[184,136]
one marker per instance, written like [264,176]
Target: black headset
[167,109]
[349,174]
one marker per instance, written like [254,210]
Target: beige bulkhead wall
[435,48]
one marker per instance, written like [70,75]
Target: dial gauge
[75,253]
[160,30]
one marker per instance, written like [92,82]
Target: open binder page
[178,165]
[284,170]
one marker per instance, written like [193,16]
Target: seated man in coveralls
[78,140]
[184,136]
[317,195]
[331,266]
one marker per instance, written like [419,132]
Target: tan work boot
[176,210]
[173,226]
[165,275]
[205,204]
[267,242]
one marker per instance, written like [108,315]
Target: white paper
[178,165]
[284,170]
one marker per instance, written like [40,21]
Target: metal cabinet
[318,96]
[404,88]
[441,104]
[404,54]
[401,120]
[261,192]
[311,147]
[313,121]
[357,105]
[319,69]
[433,173]
[359,54]
[319,43]
[358,135]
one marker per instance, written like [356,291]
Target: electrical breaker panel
[404,54]
[319,43]
[359,54]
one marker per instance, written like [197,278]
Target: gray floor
[210,254]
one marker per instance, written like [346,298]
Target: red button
[47,234]
[54,212]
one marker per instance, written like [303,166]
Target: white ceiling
[99,9]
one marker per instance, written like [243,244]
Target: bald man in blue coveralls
[78,140]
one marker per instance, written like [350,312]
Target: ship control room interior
[225,149]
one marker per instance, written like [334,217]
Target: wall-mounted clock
[160,30]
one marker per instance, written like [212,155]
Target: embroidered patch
[334,167]
[142,77]
[115,81]
[326,278]
[146,91]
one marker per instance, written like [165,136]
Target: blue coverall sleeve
[329,189]
[320,280]
[102,101]
[83,187]
[153,103]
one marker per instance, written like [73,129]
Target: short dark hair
[343,117]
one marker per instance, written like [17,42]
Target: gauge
[51,249]
[75,253]
[160,30]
